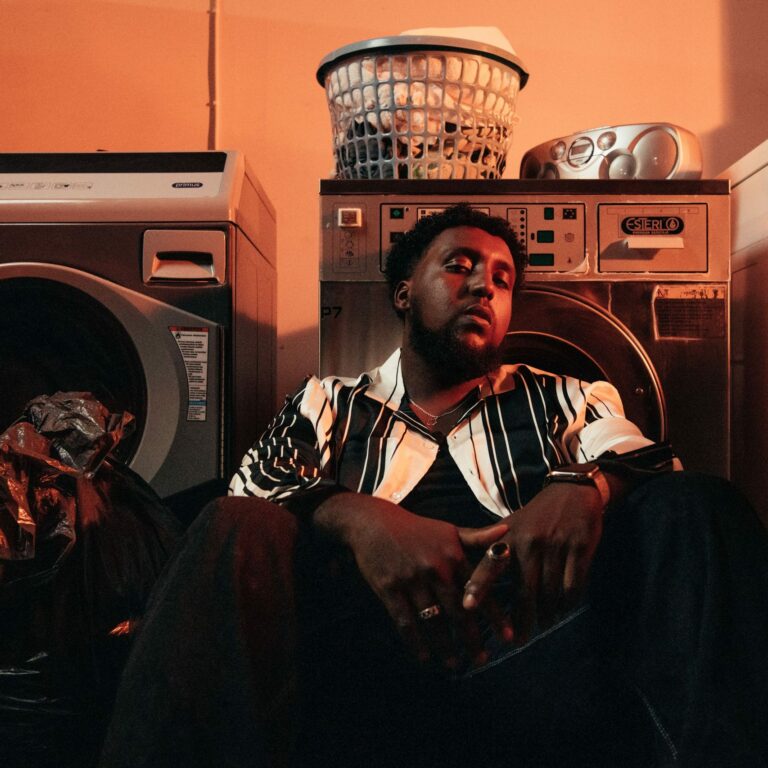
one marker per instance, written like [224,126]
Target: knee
[689,489]
[243,509]
[676,485]
[250,521]
[693,500]
[675,529]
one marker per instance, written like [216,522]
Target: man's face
[460,297]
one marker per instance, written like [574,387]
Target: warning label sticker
[193,345]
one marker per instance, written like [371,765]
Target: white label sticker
[193,345]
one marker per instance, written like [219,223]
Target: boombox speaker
[638,151]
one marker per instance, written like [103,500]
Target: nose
[482,283]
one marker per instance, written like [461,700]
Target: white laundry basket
[421,107]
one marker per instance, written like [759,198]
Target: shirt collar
[386,382]
[387,386]
[498,381]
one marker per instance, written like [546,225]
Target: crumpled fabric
[81,430]
[62,498]
[82,541]
[58,439]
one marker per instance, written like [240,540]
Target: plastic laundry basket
[421,107]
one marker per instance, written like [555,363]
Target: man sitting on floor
[471,564]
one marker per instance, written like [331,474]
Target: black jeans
[260,637]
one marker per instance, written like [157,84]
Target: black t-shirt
[443,494]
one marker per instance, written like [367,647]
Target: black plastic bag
[82,541]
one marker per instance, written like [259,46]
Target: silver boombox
[638,151]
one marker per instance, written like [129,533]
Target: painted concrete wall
[80,75]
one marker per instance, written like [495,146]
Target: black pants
[264,647]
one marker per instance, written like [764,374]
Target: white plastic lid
[488,35]
[400,43]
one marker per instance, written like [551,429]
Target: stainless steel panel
[750,374]
[653,238]
[656,325]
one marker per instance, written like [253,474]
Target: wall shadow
[298,355]
[745,83]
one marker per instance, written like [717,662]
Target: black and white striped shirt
[353,434]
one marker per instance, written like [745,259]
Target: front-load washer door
[56,338]
[552,329]
[562,332]
[62,329]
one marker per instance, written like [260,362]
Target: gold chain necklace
[431,418]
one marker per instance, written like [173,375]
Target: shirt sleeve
[286,464]
[597,421]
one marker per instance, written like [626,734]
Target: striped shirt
[355,434]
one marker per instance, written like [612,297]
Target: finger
[402,613]
[504,570]
[523,609]
[474,538]
[575,578]
[497,619]
[433,623]
[493,564]
[464,631]
[551,589]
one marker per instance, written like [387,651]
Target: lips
[480,312]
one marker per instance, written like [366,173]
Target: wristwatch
[589,473]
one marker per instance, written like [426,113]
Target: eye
[502,280]
[460,266]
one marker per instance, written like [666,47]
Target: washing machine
[627,281]
[149,280]
[749,361]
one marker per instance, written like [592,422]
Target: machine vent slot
[690,318]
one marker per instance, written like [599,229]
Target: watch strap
[583,474]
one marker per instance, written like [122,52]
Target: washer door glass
[54,337]
[567,334]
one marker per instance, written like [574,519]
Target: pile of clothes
[82,541]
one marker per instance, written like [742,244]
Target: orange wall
[79,75]
[82,75]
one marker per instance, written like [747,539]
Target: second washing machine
[149,280]
[628,281]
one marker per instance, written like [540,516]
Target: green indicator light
[541,260]
[549,213]
[396,213]
[545,236]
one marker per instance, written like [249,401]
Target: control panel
[45,177]
[580,237]
[551,234]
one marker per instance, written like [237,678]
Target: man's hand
[551,541]
[413,563]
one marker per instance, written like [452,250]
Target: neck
[429,387]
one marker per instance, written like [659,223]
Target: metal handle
[653,242]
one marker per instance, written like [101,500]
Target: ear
[402,297]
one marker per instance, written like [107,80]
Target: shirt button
[396,496]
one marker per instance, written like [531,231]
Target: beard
[444,351]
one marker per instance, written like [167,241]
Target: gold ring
[430,612]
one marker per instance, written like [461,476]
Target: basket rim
[403,43]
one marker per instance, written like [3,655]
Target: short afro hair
[408,249]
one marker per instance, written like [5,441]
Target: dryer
[749,364]
[627,281]
[149,280]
